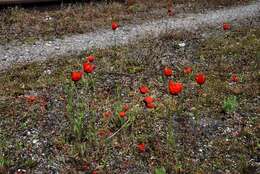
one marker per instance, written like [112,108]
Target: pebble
[35,141]
[182,44]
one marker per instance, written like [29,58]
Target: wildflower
[85,167]
[170,12]
[200,78]
[175,88]
[167,71]
[90,58]
[234,78]
[94,172]
[150,105]
[170,8]
[88,68]
[107,114]
[148,100]
[226,26]
[76,75]
[30,98]
[114,25]
[122,114]
[141,147]
[187,70]
[143,89]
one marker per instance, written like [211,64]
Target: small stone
[48,72]
[182,44]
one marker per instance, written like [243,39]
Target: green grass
[230,104]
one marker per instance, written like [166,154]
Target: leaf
[160,170]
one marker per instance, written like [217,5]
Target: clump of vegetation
[160,170]
[230,104]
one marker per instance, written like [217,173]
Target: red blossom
[170,12]
[167,71]
[114,25]
[234,78]
[175,88]
[143,89]
[88,68]
[226,26]
[200,78]
[30,98]
[107,114]
[149,102]
[122,114]
[150,105]
[148,99]
[141,147]
[95,172]
[90,58]
[187,70]
[85,167]
[76,75]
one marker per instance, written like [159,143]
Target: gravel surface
[10,54]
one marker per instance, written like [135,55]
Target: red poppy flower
[94,172]
[107,114]
[144,89]
[76,75]
[122,114]
[90,58]
[226,26]
[148,99]
[114,26]
[175,88]
[31,98]
[200,78]
[85,167]
[150,105]
[141,147]
[125,107]
[88,68]
[170,12]
[187,70]
[234,78]
[167,71]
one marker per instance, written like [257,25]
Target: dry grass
[45,23]
[184,134]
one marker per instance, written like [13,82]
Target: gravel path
[42,50]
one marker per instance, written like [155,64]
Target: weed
[230,104]
[4,161]
[75,111]
[160,170]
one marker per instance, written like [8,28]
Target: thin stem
[118,130]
